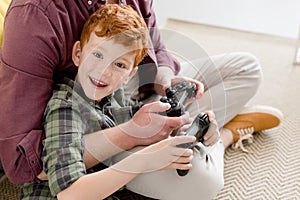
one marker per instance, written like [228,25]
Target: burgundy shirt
[36,53]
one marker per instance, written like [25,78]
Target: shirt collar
[75,87]
[98,3]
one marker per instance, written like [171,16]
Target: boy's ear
[76,53]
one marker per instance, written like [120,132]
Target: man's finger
[200,90]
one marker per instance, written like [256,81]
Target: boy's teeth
[98,82]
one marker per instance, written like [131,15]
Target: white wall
[275,17]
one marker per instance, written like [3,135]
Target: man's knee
[251,62]
[248,68]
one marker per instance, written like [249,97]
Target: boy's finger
[176,122]
[183,139]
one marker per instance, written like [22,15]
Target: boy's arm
[145,128]
[162,155]
[64,148]
[98,185]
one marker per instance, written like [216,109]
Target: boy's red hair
[122,24]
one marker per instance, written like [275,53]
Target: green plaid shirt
[68,116]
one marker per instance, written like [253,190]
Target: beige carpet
[271,170]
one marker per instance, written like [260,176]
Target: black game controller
[176,97]
[198,129]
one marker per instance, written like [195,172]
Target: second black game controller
[198,129]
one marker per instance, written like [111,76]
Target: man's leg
[230,81]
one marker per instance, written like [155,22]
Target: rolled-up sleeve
[163,56]
[63,145]
[157,50]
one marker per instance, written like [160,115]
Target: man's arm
[158,49]
[168,66]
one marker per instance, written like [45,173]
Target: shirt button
[90,2]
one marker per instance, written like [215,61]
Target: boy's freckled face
[104,66]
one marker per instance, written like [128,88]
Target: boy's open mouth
[97,83]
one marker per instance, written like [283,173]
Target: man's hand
[165,78]
[212,136]
[147,126]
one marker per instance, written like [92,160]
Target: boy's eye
[98,55]
[120,65]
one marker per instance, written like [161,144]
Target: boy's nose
[104,71]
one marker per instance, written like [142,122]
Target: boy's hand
[42,176]
[161,155]
[147,126]
[167,155]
